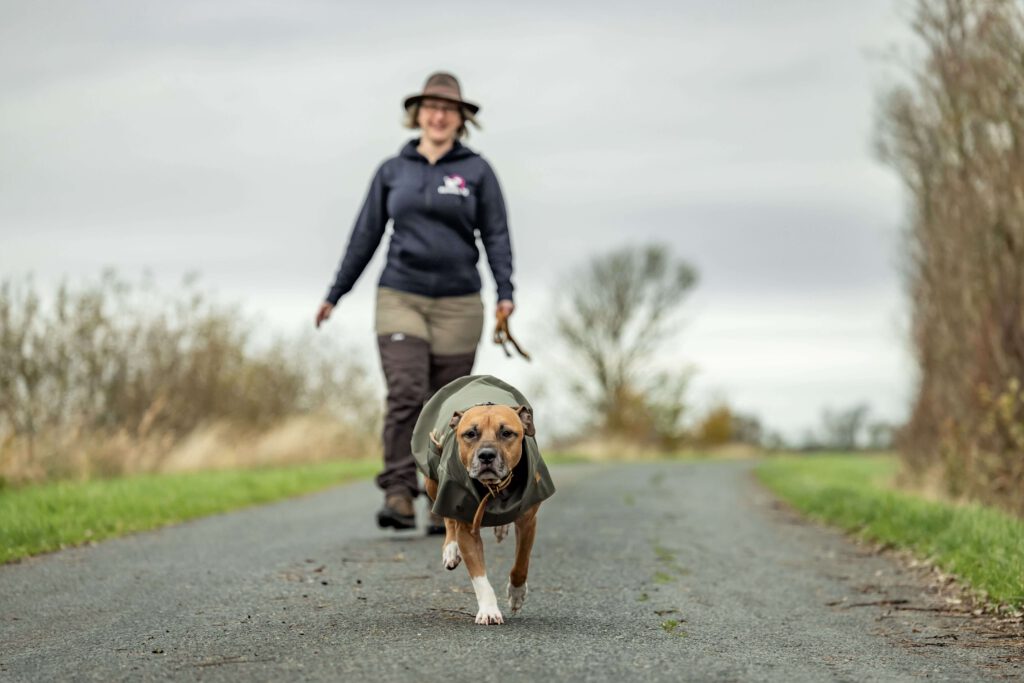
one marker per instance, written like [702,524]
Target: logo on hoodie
[454,184]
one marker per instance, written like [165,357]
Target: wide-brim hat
[442,86]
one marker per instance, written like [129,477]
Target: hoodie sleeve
[366,235]
[493,225]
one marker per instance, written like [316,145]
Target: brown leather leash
[503,336]
[492,492]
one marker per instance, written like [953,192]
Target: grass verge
[983,546]
[565,458]
[46,517]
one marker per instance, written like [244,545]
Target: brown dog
[490,443]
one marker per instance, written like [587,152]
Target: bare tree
[955,134]
[844,429]
[616,313]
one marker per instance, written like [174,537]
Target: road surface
[657,571]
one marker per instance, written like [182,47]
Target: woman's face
[439,120]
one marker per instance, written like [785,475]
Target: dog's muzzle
[488,464]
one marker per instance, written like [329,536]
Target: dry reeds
[114,378]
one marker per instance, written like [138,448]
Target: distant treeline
[955,135]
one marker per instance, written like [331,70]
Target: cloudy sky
[236,139]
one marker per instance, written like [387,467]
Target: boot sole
[390,520]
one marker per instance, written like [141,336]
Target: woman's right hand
[324,312]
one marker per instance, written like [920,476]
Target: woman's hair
[412,115]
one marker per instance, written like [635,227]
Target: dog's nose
[487,455]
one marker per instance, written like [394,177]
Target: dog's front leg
[450,556]
[471,546]
[526,528]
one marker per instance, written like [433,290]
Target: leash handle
[503,336]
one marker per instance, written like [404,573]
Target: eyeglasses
[445,107]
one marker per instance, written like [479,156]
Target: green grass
[983,546]
[663,577]
[671,626]
[38,519]
[564,458]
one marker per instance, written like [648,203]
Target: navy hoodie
[438,211]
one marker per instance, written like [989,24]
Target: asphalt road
[640,572]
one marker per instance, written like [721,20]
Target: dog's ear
[454,422]
[526,417]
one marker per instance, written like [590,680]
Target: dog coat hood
[458,496]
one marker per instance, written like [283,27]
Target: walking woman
[439,196]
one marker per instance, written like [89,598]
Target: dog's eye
[507,433]
[470,434]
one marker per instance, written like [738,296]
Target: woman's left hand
[324,312]
[505,308]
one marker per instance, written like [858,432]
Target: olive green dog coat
[458,496]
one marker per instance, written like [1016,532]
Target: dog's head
[490,439]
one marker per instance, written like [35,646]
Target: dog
[483,469]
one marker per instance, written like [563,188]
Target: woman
[439,196]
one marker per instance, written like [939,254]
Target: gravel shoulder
[655,571]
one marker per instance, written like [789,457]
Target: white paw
[451,556]
[489,615]
[516,597]
[500,532]
[486,602]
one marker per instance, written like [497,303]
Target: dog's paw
[489,615]
[500,532]
[516,597]
[451,556]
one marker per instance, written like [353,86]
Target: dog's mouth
[488,472]
[489,475]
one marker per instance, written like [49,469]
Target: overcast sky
[237,139]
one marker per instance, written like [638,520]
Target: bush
[111,377]
[723,425]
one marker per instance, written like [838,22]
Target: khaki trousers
[424,344]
